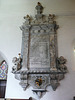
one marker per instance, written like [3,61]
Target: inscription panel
[39,51]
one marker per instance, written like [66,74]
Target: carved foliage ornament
[39,65]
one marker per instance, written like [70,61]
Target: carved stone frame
[39,64]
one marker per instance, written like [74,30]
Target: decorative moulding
[38,64]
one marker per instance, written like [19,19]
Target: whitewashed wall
[11,18]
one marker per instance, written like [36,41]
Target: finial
[39,8]
[27,18]
[39,3]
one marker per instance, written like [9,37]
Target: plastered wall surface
[11,18]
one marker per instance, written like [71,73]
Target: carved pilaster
[52,52]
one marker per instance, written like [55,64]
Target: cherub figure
[17,64]
[61,63]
